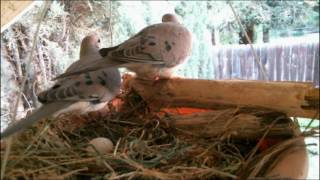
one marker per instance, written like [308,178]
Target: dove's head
[170,18]
[90,44]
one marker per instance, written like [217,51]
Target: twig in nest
[273,152]
[254,150]
[68,174]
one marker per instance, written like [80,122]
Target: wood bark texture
[12,9]
[294,99]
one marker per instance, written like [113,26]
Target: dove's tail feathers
[43,112]
[92,66]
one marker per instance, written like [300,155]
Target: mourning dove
[83,93]
[152,52]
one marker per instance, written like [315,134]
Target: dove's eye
[98,40]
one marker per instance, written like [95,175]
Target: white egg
[101,144]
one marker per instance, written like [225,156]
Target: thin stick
[312,120]
[64,176]
[256,58]
[13,118]
[26,99]
[254,150]
[116,148]
[284,146]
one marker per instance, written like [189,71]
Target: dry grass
[147,146]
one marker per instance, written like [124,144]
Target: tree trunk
[265,35]
[250,32]
[213,37]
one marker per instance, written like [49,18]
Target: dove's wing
[162,45]
[91,86]
[85,90]
[94,87]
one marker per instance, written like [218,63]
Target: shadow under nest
[153,143]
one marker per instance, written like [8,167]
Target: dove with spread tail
[81,93]
[152,52]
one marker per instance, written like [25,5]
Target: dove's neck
[86,50]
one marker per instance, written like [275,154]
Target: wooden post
[294,99]
[12,10]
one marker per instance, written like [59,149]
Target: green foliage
[277,16]
[298,15]
[195,20]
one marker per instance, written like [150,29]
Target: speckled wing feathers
[152,45]
[163,45]
[85,92]
[90,86]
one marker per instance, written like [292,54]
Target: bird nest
[166,143]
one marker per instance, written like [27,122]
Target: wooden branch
[12,10]
[225,123]
[294,99]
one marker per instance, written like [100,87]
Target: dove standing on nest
[151,53]
[83,93]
